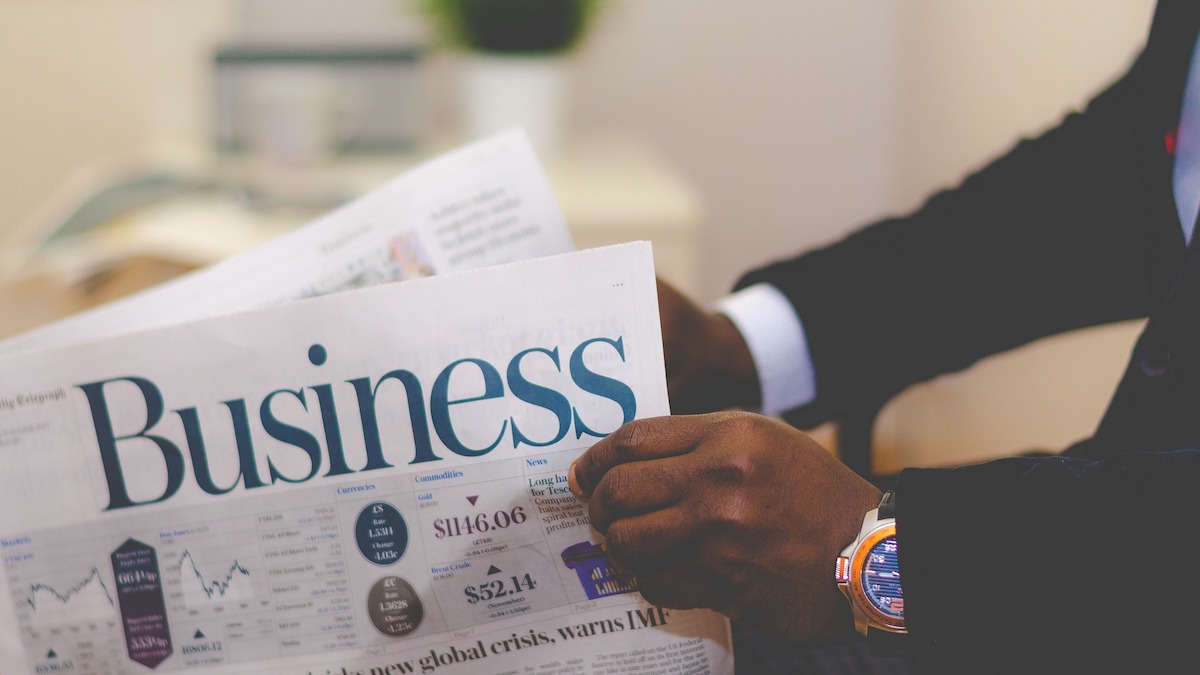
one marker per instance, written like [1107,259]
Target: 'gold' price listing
[466,522]
[488,556]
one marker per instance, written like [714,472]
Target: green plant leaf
[512,26]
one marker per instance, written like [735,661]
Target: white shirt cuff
[775,335]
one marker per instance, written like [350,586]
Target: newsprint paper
[369,482]
[484,204]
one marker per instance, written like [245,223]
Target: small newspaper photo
[280,478]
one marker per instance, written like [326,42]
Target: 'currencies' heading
[373,400]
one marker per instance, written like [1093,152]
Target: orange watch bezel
[858,594]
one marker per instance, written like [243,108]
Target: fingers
[636,441]
[652,541]
[665,558]
[637,488]
[684,585]
[731,511]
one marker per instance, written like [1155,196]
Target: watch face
[881,579]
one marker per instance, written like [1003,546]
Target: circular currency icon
[394,607]
[381,534]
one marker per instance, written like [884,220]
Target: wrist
[775,338]
[736,372]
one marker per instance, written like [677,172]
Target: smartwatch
[868,573]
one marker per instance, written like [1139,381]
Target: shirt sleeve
[775,335]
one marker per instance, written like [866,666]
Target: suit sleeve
[1050,237]
[1052,565]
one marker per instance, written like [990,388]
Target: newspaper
[484,204]
[371,482]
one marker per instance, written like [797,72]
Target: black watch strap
[885,643]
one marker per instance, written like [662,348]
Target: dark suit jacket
[1088,562]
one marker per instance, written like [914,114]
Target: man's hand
[730,511]
[708,364]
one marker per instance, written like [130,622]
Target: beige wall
[784,113]
[978,74]
[801,120]
[83,80]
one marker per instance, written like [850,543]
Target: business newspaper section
[208,478]
[331,456]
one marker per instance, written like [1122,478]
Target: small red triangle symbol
[472,499]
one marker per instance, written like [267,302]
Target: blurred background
[728,132]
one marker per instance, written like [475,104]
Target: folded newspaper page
[372,482]
[484,204]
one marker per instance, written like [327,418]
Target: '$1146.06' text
[478,523]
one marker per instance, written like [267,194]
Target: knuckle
[621,540]
[598,516]
[740,424]
[731,514]
[616,482]
[733,469]
[627,440]
[738,515]
[613,488]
